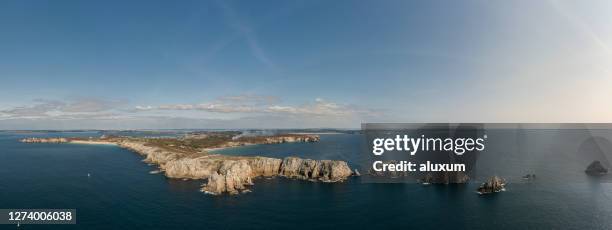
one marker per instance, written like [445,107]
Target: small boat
[529,177]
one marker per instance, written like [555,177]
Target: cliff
[232,174]
[493,185]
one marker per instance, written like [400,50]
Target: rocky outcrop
[152,154]
[493,185]
[322,170]
[232,177]
[596,168]
[265,166]
[232,174]
[45,140]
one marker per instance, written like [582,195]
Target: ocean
[119,193]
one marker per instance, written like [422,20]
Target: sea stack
[596,169]
[494,184]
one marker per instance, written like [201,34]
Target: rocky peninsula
[188,157]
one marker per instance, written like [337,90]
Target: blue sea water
[121,194]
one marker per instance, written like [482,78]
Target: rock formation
[232,174]
[322,170]
[596,168]
[494,184]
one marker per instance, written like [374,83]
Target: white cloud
[256,105]
[319,108]
[43,108]
[242,111]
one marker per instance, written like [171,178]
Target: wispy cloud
[250,98]
[78,107]
[580,24]
[210,107]
[234,20]
[253,104]
[234,111]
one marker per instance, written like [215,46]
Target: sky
[301,64]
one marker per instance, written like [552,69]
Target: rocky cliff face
[321,170]
[233,174]
[493,185]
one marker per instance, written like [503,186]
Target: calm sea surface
[121,194]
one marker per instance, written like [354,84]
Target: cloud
[40,109]
[235,111]
[210,107]
[89,105]
[320,107]
[253,104]
[43,108]
[250,98]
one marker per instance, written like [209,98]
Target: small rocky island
[596,169]
[188,157]
[493,185]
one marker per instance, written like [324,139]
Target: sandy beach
[83,142]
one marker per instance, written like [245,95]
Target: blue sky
[297,64]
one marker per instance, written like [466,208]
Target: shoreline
[84,142]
